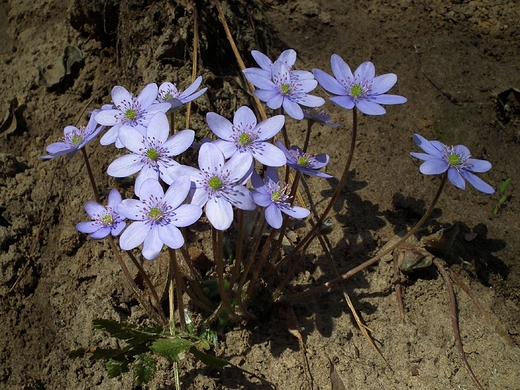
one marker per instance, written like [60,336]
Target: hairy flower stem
[238,251]
[289,274]
[260,263]
[312,233]
[135,289]
[245,272]
[159,316]
[455,321]
[90,175]
[368,263]
[149,283]
[310,122]
[172,123]
[175,278]
[284,129]
[219,260]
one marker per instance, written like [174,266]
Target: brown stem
[219,260]
[175,274]
[149,283]
[135,289]
[311,234]
[368,263]
[455,321]
[90,174]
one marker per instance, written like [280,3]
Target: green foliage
[141,344]
[144,368]
[503,197]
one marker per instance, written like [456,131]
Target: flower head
[319,115]
[361,89]
[244,135]
[151,153]
[216,184]
[440,158]
[157,216]
[129,111]
[105,220]
[285,88]
[74,139]
[274,198]
[306,163]
[288,57]
[169,93]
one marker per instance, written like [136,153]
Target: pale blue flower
[306,163]
[288,57]
[274,198]
[319,115]
[361,89]
[129,111]
[152,153]
[169,93]
[74,139]
[158,216]
[284,90]
[216,184]
[244,135]
[440,158]
[105,220]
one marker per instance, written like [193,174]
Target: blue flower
[306,163]
[105,220]
[74,139]
[216,184]
[288,57]
[362,89]
[158,216]
[286,88]
[244,135]
[440,158]
[319,115]
[129,111]
[274,198]
[169,93]
[152,153]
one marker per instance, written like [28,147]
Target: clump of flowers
[238,171]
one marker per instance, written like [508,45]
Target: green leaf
[128,332]
[144,368]
[208,359]
[109,353]
[171,348]
[116,329]
[502,199]
[495,210]
[504,185]
[117,367]
[210,335]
